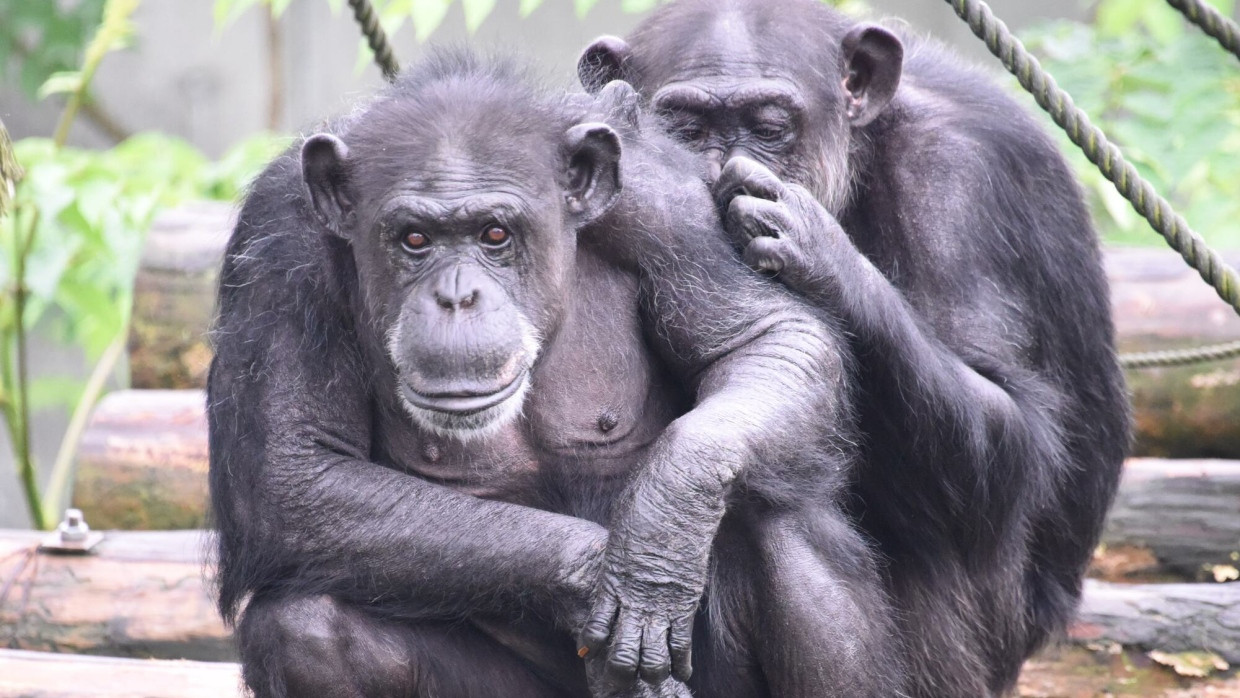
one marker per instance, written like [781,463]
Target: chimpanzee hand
[654,573]
[782,228]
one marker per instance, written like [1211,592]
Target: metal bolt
[73,527]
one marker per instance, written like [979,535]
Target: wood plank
[142,594]
[46,675]
[1185,512]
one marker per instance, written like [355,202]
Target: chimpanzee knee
[293,647]
[319,647]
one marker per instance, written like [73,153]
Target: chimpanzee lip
[461,402]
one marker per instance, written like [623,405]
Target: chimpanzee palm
[942,226]
[470,305]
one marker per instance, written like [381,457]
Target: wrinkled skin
[902,192]
[398,529]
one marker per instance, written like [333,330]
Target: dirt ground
[1076,672]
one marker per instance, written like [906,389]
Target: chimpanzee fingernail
[583,652]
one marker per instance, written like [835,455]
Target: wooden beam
[1185,512]
[1167,617]
[48,675]
[142,594]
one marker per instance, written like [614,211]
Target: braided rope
[1211,22]
[1181,357]
[1093,142]
[376,38]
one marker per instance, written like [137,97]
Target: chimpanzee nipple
[607,421]
[430,452]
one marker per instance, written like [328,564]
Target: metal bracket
[72,536]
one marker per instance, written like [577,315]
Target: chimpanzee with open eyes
[901,190]
[445,317]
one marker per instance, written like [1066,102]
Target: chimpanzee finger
[749,217]
[744,176]
[626,648]
[655,664]
[765,255]
[597,629]
[680,641]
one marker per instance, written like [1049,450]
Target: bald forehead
[775,39]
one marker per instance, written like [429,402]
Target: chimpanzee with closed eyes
[894,186]
[460,327]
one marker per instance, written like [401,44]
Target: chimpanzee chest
[598,398]
[600,395]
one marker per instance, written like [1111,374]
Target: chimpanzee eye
[496,236]
[769,132]
[690,133]
[414,241]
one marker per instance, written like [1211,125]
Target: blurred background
[133,128]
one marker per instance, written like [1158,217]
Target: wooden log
[1160,303]
[1185,512]
[46,675]
[1061,672]
[1167,617]
[142,594]
[142,461]
[174,296]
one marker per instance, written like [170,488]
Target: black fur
[966,271]
[377,552]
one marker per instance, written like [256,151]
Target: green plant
[1169,97]
[70,244]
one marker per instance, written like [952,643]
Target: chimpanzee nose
[456,290]
[714,166]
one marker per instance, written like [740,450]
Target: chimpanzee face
[464,236]
[783,82]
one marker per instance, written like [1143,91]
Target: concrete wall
[212,86]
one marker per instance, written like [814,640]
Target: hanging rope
[1211,22]
[1140,193]
[376,38]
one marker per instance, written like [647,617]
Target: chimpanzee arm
[771,418]
[298,504]
[961,408]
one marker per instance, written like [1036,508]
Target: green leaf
[583,7]
[427,15]
[638,6]
[476,12]
[60,83]
[278,7]
[48,392]
[528,6]
[1117,17]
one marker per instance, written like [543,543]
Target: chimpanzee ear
[324,167]
[593,182]
[602,62]
[872,60]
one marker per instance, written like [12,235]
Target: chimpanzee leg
[796,603]
[320,648]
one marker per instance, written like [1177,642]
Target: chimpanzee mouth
[466,415]
[462,402]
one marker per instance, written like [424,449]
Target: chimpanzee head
[785,82]
[460,192]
